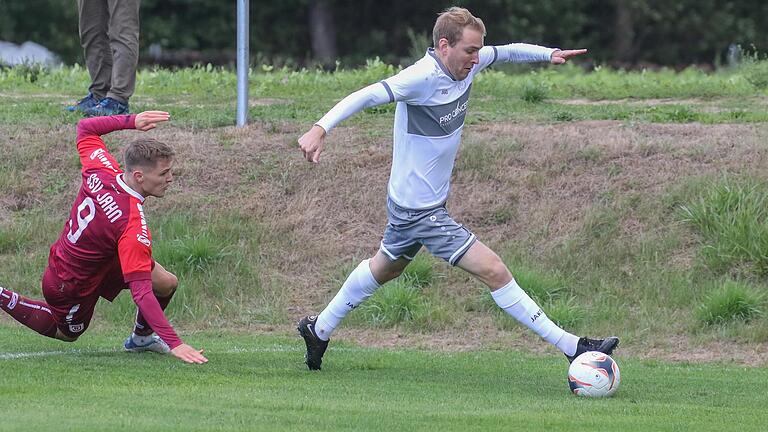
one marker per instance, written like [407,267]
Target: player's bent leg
[385,269]
[164,283]
[360,284]
[33,314]
[64,337]
[368,276]
[143,338]
[483,263]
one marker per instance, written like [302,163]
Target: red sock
[142,328]
[32,313]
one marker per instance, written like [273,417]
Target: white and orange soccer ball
[594,374]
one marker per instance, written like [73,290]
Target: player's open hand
[148,120]
[562,56]
[312,143]
[188,354]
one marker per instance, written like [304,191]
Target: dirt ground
[550,173]
[544,177]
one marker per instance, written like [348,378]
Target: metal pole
[243,62]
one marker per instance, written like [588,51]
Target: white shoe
[155,345]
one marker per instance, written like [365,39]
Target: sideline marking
[80,351]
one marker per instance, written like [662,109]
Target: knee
[166,286]
[496,275]
[384,270]
[65,338]
[390,274]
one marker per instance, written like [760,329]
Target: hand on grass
[188,354]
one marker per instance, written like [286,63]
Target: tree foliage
[619,32]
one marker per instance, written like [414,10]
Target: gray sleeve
[373,95]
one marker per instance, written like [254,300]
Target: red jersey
[107,219]
[107,225]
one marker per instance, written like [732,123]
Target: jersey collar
[128,189]
[431,52]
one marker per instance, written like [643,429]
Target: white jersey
[429,119]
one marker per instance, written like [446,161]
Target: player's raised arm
[98,126]
[148,120]
[90,130]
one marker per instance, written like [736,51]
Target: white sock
[360,285]
[517,303]
[141,340]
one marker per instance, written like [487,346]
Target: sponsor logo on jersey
[76,328]
[110,207]
[143,238]
[14,301]
[438,120]
[100,154]
[459,110]
[105,200]
[94,183]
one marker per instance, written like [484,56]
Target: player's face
[462,57]
[156,181]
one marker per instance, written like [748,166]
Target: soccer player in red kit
[106,246]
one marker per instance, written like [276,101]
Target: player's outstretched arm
[148,120]
[188,354]
[312,143]
[562,56]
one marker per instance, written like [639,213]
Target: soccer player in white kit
[432,98]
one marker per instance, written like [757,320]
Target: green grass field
[627,203]
[260,383]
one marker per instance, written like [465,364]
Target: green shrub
[533,92]
[755,72]
[732,218]
[394,303]
[733,301]
[420,272]
[566,313]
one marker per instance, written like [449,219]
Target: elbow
[83,129]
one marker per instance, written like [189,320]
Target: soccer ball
[594,374]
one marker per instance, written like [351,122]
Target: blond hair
[451,23]
[145,152]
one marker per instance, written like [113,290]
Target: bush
[732,218]
[732,301]
[533,92]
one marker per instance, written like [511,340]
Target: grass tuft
[732,301]
[533,92]
[731,216]
[394,303]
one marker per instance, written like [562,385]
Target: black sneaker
[605,346]
[315,346]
